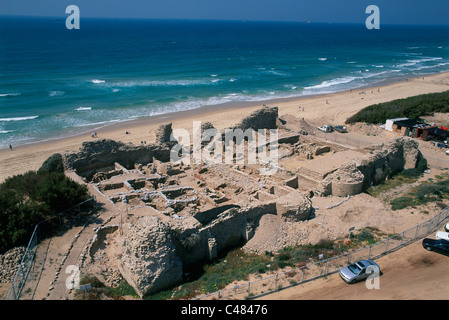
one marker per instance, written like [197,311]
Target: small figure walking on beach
[10,147]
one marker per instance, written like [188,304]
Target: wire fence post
[28,258]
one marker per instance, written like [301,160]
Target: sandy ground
[322,109]
[359,211]
[411,273]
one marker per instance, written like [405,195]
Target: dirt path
[56,255]
[407,274]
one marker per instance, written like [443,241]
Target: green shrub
[53,164]
[29,198]
[413,108]
[401,203]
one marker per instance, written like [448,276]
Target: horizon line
[223,20]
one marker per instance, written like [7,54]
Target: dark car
[439,245]
[341,129]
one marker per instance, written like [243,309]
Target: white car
[442,235]
[326,128]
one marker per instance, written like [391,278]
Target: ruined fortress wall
[343,189]
[390,158]
[371,168]
[97,155]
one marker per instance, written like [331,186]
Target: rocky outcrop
[149,259]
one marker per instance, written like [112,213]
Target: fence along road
[329,266]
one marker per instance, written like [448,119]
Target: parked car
[446,227]
[341,129]
[357,271]
[326,128]
[442,235]
[439,245]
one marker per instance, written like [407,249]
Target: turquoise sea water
[56,82]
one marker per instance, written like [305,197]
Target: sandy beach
[331,109]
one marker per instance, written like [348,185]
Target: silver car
[358,270]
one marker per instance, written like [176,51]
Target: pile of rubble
[9,264]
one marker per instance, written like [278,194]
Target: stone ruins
[176,215]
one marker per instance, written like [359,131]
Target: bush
[412,108]
[29,198]
[53,164]
[401,203]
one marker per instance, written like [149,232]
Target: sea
[56,82]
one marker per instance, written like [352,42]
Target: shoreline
[327,108]
[210,108]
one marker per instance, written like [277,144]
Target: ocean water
[56,82]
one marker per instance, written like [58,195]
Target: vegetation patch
[238,265]
[413,108]
[99,291]
[407,176]
[428,191]
[32,197]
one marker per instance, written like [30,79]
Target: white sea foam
[13,94]
[98,81]
[413,62]
[55,93]
[83,108]
[97,123]
[162,83]
[433,66]
[322,59]
[18,118]
[5,131]
[331,83]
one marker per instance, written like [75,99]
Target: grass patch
[100,291]
[238,265]
[406,176]
[429,191]
[389,184]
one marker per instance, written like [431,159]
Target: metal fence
[328,266]
[42,229]
[438,162]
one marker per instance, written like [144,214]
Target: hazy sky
[349,11]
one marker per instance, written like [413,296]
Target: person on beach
[10,147]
